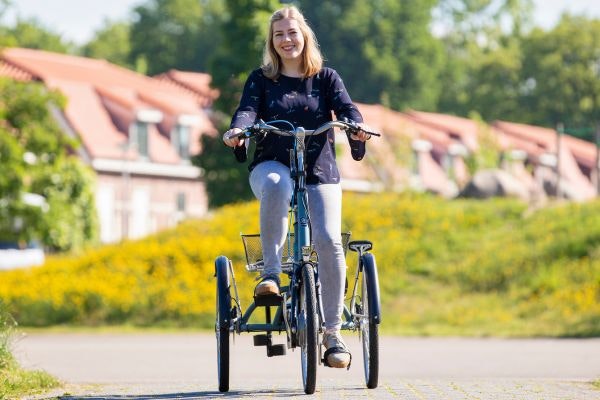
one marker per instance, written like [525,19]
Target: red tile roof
[584,152]
[10,71]
[574,152]
[545,139]
[401,129]
[103,99]
[197,83]
[466,130]
[97,131]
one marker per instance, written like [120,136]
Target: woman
[293,85]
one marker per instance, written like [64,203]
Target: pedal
[271,300]
[276,350]
[261,340]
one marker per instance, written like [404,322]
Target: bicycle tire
[308,329]
[223,320]
[369,325]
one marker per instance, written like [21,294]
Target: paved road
[182,366]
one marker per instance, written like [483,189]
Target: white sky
[77,20]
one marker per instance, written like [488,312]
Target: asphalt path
[153,366]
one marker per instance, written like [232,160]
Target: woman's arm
[246,113]
[344,108]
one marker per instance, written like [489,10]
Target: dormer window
[140,138]
[139,133]
[181,134]
[419,146]
[180,138]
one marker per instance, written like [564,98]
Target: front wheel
[369,328]
[308,329]
[223,321]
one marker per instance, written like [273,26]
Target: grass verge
[15,381]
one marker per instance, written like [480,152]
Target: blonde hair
[312,59]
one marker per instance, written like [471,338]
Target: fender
[370,269]
[224,302]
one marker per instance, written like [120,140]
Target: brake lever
[371,133]
[353,128]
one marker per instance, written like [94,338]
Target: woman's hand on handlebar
[231,138]
[363,134]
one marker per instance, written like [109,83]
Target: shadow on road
[276,393]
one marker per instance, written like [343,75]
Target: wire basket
[254,256]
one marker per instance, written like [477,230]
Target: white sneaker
[337,354]
[268,286]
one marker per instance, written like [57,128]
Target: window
[140,138]
[414,162]
[180,137]
[448,165]
[180,202]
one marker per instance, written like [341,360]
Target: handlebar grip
[242,134]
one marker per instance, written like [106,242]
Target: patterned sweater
[306,102]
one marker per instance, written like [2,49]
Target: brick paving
[410,389]
[182,366]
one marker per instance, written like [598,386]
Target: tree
[111,43]
[70,221]
[483,55]
[35,159]
[243,30]
[484,21]
[11,181]
[488,83]
[383,49]
[32,34]
[561,73]
[178,34]
[4,6]
[226,179]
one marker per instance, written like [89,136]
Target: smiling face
[288,40]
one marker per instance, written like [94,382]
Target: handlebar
[262,127]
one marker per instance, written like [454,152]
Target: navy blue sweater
[303,102]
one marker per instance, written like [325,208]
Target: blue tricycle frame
[298,311]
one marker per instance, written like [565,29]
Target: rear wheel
[308,329]
[223,321]
[369,328]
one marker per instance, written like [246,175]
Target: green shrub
[445,267]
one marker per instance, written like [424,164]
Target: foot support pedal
[271,300]
[261,340]
[276,350]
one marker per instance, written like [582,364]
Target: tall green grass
[7,325]
[15,381]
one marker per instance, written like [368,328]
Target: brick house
[538,157]
[136,132]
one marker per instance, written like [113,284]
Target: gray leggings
[271,183]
